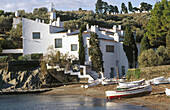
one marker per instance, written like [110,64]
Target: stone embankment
[21,79]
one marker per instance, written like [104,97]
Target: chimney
[87,26]
[37,20]
[114,28]
[58,22]
[42,21]
[69,31]
[94,28]
[50,23]
[17,13]
[119,27]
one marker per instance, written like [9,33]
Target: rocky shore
[157,100]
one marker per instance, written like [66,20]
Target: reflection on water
[59,102]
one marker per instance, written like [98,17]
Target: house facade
[38,37]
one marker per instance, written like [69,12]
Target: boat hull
[133,92]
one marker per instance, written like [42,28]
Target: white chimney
[119,27]
[87,26]
[69,31]
[37,20]
[116,37]
[42,21]
[17,14]
[94,28]
[58,22]
[114,28]
[50,23]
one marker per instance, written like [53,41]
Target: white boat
[109,81]
[160,80]
[167,91]
[132,83]
[131,92]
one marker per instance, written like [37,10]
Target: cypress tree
[95,53]
[130,6]
[144,44]
[81,45]
[129,46]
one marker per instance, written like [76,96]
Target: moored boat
[109,81]
[132,83]
[131,92]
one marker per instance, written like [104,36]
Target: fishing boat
[109,81]
[131,92]
[132,83]
[167,91]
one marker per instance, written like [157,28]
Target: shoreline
[157,100]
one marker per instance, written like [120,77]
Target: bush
[36,56]
[24,58]
[150,57]
[3,59]
[133,74]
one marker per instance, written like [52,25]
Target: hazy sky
[29,5]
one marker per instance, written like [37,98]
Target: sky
[65,5]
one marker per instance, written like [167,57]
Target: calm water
[60,102]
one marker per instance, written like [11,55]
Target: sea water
[60,102]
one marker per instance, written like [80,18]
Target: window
[109,48]
[112,72]
[73,47]
[36,35]
[123,70]
[58,43]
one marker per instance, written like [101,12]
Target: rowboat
[109,81]
[167,91]
[132,83]
[131,92]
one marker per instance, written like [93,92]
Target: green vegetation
[150,57]
[158,26]
[81,45]
[130,48]
[133,74]
[95,53]
[144,44]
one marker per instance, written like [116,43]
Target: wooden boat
[160,80]
[109,81]
[131,92]
[132,83]
[167,91]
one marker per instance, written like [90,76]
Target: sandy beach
[157,100]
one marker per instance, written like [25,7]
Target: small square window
[74,47]
[58,43]
[36,35]
[110,48]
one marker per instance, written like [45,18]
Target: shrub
[36,56]
[133,73]
[24,58]
[3,59]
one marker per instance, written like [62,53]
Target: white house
[38,36]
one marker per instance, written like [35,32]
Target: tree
[168,41]
[81,45]
[99,6]
[145,7]
[130,6]
[105,7]
[159,24]
[16,32]
[129,46]
[124,8]
[148,58]
[144,44]
[95,53]
[116,9]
